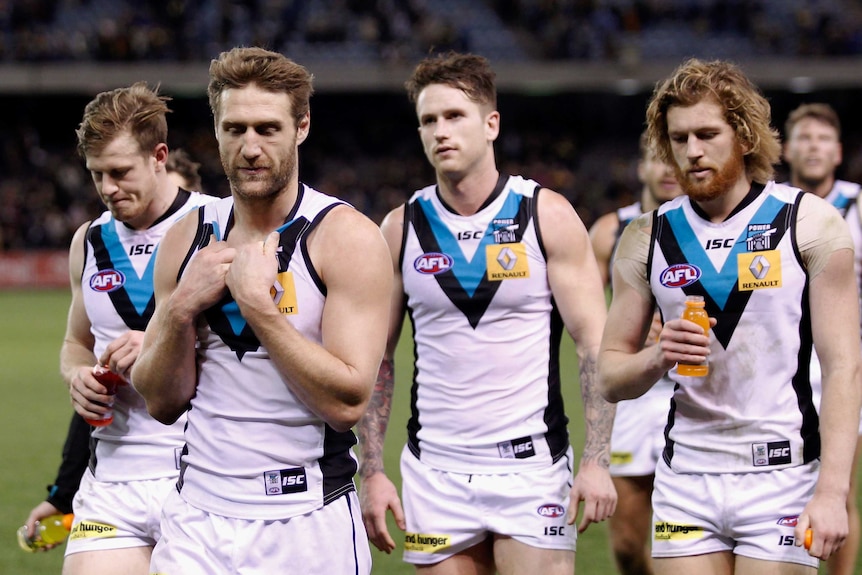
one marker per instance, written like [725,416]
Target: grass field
[36,411]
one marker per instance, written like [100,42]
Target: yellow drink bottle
[695,310]
[49,531]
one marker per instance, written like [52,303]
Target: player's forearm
[330,383]
[165,373]
[73,356]
[839,407]
[598,414]
[372,426]
[628,375]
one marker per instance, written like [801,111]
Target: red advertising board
[37,269]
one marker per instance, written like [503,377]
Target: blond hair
[745,110]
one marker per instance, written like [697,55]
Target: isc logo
[432,263]
[142,249]
[107,280]
[523,447]
[779,452]
[284,481]
[679,275]
[292,480]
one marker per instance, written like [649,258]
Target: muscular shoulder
[632,255]
[820,230]
[344,236]
[603,232]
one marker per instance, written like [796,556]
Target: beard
[261,186]
[716,185]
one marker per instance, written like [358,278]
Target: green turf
[36,412]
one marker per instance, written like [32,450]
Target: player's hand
[89,397]
[203,282]
[826,516]
[253,271]
[38,513]
[593,486]
[683,341]
[122,352]
[377,494]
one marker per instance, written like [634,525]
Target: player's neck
[818,187]
[256,216]
[467,194]
[648,201]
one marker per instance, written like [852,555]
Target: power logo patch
[665,531]
[283,293]
[283,481]
[507,261]
[92,530]
[426,543]
[759,270]
[771,453]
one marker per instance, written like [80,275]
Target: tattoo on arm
[598,415]
[372,426]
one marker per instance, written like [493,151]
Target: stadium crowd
[390,31]
[369,159]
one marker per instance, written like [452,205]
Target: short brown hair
[745,110]
[271,71]
[180,162]
[136,109]
[822,112]
[469,73]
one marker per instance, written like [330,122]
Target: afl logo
[551,510]
[432,263]
[680,275]
[107,280]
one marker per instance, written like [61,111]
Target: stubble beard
[262,187]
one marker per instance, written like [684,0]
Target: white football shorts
[447,512]
[750,514]
[117,515]
[328,541]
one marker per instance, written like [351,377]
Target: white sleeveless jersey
[754,411]
[253,449]
[486,394]
[117,288]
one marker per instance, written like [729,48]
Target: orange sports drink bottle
[111,381]
[695,310]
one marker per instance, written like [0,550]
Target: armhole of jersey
[405,225]
[792,218]
[86,249]
[534,215]
[303,245]
[202,236]
[652,242]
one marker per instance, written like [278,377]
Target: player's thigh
[707,564]
[128,561]
[513,557]
[475,560]
[633,515]
[749,566]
